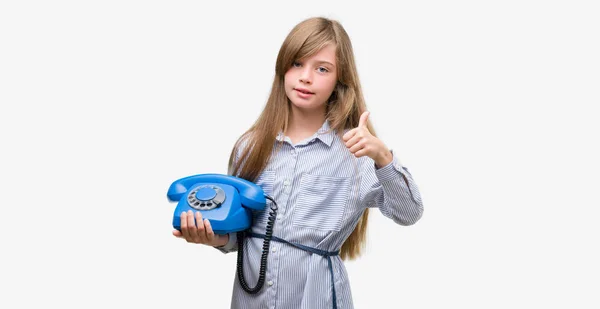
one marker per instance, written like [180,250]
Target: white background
[489,105]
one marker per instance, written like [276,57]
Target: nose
[306,75]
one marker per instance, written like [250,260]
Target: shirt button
[286,183]
[274,250]
[270,283]
[293,152]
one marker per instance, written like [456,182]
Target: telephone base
[227,217]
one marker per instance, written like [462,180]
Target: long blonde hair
[344,107]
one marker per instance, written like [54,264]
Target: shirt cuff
[389,171]
[231,244]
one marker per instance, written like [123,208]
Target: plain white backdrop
[490,104]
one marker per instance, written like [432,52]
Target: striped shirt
[321,191]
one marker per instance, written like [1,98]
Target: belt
[320,252]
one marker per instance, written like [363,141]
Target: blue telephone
[226,201]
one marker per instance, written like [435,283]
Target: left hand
[361,142]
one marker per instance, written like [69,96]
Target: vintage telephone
[227,202]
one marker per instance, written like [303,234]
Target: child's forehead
[326,54]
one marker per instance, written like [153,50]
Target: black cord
[265,253]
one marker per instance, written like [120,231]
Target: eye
[296,64]
[323,69]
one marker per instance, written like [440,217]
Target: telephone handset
[227,202]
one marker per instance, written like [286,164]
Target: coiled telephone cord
[265,253]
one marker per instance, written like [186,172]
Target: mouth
[304,91]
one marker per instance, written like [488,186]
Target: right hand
[201,233]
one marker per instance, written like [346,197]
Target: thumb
[363,119]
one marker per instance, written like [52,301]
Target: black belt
[320,252]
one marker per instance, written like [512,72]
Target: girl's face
[310,81]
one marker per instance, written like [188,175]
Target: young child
[314,151]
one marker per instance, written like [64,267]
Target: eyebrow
[327,62]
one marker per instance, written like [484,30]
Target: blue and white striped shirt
[321,191]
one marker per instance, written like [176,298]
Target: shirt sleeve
[392,189]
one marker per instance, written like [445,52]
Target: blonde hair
[344,107]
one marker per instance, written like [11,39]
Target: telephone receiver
[226,201]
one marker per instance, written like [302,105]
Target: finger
[184,226]
[192,227]
[200,229]
[177,234]
[361,153]
[357,147]
[210,234]
[363,119]
[355,139]
[349,134]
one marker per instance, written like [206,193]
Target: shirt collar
[322,134]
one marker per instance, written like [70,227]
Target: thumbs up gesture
[361,142]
